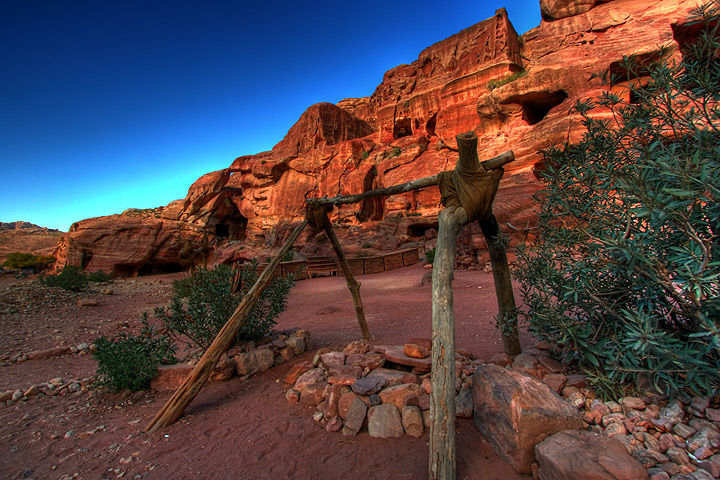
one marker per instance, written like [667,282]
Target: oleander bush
[129,362]
[205,301]
[624,277]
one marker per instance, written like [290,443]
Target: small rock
[384,421]
[292,396]
[412,421]
[415,351]
[69,434]
[87,302]
[678,456]
[17,395]
[706,437]
[368,385]
[355,417]
[633,403]
[699,403]
[464,403]
[683,430]
[334,425]
[712,414]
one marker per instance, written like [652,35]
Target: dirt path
[235,429]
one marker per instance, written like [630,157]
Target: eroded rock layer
[515,92]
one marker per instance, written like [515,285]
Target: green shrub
[129,362]
[99,277]
[364,155]
[493,84]
[430,256]
[211,299]
[624,276]
[25,261]
[70,278]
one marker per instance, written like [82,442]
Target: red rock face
[395,135]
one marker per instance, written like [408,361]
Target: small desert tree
[205,301]
[625,274]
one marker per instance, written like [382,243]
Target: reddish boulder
[573,454]
[514,412]
[415,351]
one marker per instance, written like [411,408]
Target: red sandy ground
[235,429]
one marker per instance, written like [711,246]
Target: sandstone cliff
[514,92]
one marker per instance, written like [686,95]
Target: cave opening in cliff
[87,256]
[402,128]
[419,229]
[430,125]
[222,230]
[536,106]
[227,222]
[371,209]
[152,268]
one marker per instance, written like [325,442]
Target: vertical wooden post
[176,405]
[442,377]
[353,285]
[507,312]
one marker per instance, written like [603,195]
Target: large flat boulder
[573,454]
[515,412]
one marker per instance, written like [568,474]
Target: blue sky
[108,105]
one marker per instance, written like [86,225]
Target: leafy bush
[625,274]
[99,277]
[129,362]
[206,300]
[26,261]
[394,152]
[70,278]
[430,256]
[493,84]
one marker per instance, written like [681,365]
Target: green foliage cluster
[394,152]
[430,256]
[364,155]
[129,362]
[26,261]
[205,301]
[70,278]
[625,275]
[99,277]
[73,279]
[493,84]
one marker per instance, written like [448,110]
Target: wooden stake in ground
[468,192]
[442,377]
[507,311]
[319,218]
[176,405]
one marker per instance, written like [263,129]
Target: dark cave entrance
[402,128]
[536,109]
[419,229]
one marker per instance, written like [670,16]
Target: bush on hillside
[28,261]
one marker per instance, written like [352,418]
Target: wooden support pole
[353,285]
[442,377]
[507,311]
[176,405]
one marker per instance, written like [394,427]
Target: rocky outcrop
[513,92]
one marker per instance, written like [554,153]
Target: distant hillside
[27,237]
[24,226]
